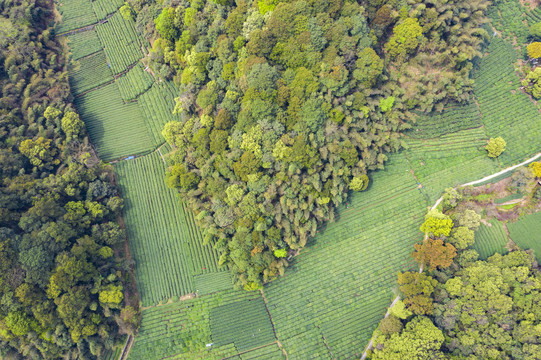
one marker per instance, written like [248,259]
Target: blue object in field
[109,65]
[130,157]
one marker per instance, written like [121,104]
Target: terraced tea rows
[526,233]
[508,18]
[84,43]
[75,14]
[166,245]
[270,352]
[135,82]
[244,323]
[113,355]
[102,8]
[450,120]
[157,107]
[449,160]
[490,239]
[89,72]
[121,43]
[211,282]
[115,128]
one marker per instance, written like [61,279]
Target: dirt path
[486,178]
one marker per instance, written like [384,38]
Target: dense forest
[287,106]
[62,277]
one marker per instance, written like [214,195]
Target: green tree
[359,183]
[437,224]
[536,169]
[405,38]
[165,24]
[495,147]
[72,125]
[280,253]
[179,176]
[390,325]
[127,12]
[369,66]
[462,237]
[451,197]
[386,104]
[52,113]
[18,323]
[400,311]
[468,218]
[111,295]
[40,152]
[535,30]
[420,340]
[532,83]
[534,50]
[417,289]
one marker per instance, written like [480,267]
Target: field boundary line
[161,156]
[87,56]
[272,323]
[87,27]
[486,178]
[94,88]
[247,351]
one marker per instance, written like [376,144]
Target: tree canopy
[495,147]
[62,292]
[288,105]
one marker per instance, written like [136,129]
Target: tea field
[506,111]
[102,8]
[157,107]
[121,43]
[490,239]
[208,327]
[166,245]
[526,233]
[135,82]
[337,289]
[449,160]
[89,72]
[75,14]
[84,43]
[451,119]
[116,129]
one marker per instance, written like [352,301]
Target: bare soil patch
[530,4]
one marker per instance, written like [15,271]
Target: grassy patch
[182,330]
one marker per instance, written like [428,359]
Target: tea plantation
[338,288]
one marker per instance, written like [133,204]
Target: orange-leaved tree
[434,253]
